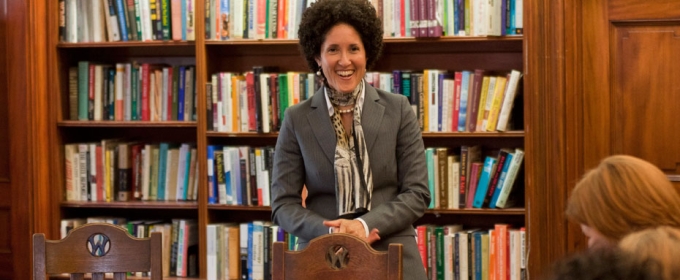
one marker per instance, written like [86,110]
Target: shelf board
[129,44]
[242,134]
[508,134]
[126,124]
[238,207]
[477,211]
[496,134]
[467,211]
[67,276]
[387,40]
[133,204]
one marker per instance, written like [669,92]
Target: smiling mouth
[345,74]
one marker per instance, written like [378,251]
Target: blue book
[122,20]
[181,92]
[501,180]
[484,179]
[429,158]
[396,81]
[186,195]
[464,93]
[236,172]
[212,179]
[162,166]
[477,241]
[251,231]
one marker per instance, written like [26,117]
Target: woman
[622,195]
[661,245]
[357,149]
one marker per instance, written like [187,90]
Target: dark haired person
[357,149]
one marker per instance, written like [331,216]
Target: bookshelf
[493,54]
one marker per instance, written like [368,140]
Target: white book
[508,100]
[513,169]
[83,173]
[462,241]
[454,182]
[519,14]
[264,100]
[96,15]
[243,104]
[84,21]
[112,31]
[258,250]
[515,254]
[479,17]
[450,23]
[237,20]
[212,246]
[120,90]
[190,20]
[93,171]
[145,20]
[72,21]
[494,12]
[292,19]
[225,92]
[310,84]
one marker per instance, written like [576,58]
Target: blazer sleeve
[288,178]
[413,196]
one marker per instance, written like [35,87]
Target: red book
[250,88]
[421,232]
[282,20]
[100,174]
[170,93]
[145,92]
[458,78]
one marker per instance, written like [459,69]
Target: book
[509,182]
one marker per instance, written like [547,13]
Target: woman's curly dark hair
[322,15]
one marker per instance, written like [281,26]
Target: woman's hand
[353,227]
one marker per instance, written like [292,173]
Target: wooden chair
[97,249]
[323,259]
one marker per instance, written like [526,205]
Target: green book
[83,87]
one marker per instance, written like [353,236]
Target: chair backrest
[97,249]
[337,256]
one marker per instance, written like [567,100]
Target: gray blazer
[304,156]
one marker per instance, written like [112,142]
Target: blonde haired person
[623,194]
[661,244]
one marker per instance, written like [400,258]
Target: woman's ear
[318,61]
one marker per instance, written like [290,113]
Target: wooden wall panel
[645,92]
[6,260]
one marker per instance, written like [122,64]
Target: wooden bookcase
[493,54]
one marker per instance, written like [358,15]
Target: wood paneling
[620,75]
[644,92]
[546,147]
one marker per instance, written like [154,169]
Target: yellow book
[499,91]
[482,103]
[235,89]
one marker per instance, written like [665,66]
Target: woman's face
[343,58]
[595,238]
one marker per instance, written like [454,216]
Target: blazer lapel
[320,124]
[371,116]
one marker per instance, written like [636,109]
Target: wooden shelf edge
[190,124]
[508,134]
[477,211]
[67,276]
[133,204]
[238,207]
[129,44]
[387,40]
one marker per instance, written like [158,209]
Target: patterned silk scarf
[353,176]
